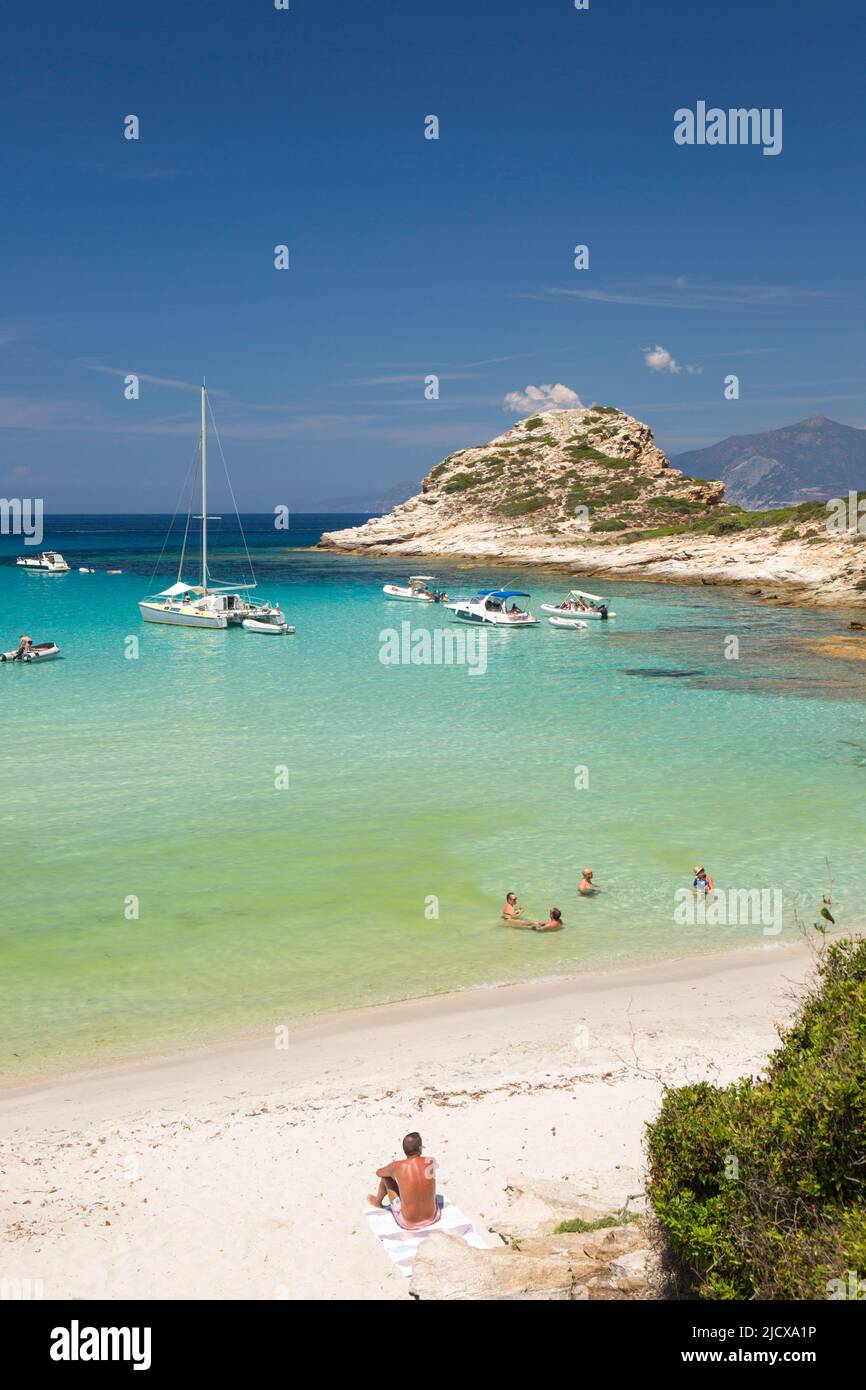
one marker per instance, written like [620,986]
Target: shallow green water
[156,778]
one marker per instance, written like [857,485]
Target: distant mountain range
[372,502]
[814,459]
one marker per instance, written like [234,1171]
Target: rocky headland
[588,490]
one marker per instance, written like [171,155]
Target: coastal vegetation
[576,1225]
[460,482]
[759,1188]
[726,520]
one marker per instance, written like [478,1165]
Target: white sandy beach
[243,1173]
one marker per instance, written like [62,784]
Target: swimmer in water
[586,886]
[554,923]
[512,915]
[702,884]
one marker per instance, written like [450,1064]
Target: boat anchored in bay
[580,604]
[49,562]
[206,604]
[491,606]
[419,589]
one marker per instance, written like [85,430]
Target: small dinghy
[42,651]
[567,622]
[278,629]
[82,569]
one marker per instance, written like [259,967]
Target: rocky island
[589,490]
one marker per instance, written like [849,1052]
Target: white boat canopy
[180,588]
[414,577]
[581,593]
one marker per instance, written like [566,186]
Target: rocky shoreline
[604,1256]
[587,491]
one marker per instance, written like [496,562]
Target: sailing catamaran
[205,604]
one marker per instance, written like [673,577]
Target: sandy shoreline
[241,1171]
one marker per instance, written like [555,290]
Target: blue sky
[412,256]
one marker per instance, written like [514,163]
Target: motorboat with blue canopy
[491,606]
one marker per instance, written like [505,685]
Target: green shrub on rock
[460,482]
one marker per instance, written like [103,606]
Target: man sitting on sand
[410,1183]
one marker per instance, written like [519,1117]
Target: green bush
[460,482]
[619,492]
[577,1225]
[613,523]
[790,533]
[759,1188]
[581,452]
[726,524]
[534,422]
[522,505]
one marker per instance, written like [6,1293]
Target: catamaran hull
[157,613]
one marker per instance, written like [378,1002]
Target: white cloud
[536,398]
[658,359]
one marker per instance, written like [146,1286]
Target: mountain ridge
[810,459]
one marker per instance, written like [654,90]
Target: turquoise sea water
[411,789]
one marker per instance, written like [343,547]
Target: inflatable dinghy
[253,625]
[42,651]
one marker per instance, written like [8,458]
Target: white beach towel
[402,1246]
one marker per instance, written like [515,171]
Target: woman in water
[554,924]
[702,884]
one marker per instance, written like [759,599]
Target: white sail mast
[203,491]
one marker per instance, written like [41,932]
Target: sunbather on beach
[410,1185]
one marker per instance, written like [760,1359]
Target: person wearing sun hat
[702,881]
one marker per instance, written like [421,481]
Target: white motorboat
[418,590]
[568,622]
[580,604]
[278,629]
[206,604]
[49,562]
[42,651]
[491,606]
